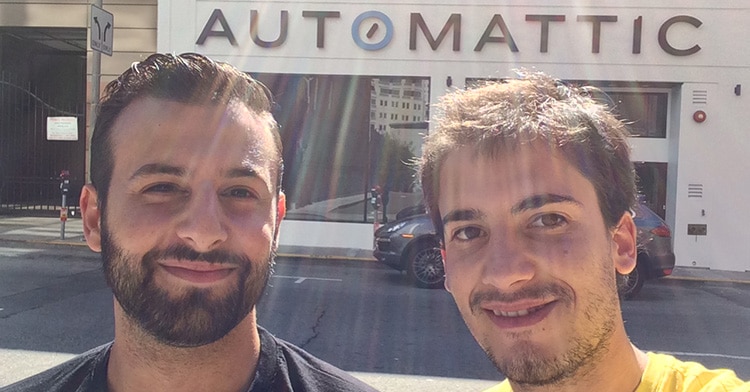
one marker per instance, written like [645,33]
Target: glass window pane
[342,137]
[645,112]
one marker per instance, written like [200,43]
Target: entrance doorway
[42,75]
[652,185]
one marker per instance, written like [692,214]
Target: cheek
[255,228]
[459,274]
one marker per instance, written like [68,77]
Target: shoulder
[667,373]
[284,363]
[73,375]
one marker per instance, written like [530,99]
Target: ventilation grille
[695,191]
[700,97]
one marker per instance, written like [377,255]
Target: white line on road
[12,252]
[300,279]
[707,355]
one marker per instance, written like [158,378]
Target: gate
[30,165]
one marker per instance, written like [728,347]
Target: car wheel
[633,282]
[425,265]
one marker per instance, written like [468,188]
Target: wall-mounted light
[699,116]
[449,81]
[738,90]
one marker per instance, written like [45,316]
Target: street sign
[102,24]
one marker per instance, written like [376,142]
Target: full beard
[193,316]
[527,364]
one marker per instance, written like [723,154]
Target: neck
[618,369]
[138,362]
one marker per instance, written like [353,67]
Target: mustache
[527,293]
[182,252]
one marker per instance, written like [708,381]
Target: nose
[202,225]
[508,267]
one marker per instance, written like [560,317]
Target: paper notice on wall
[62,128]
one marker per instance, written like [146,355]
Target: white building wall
[713,153]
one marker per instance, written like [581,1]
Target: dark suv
[409,243]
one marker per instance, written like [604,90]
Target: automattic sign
[274,28]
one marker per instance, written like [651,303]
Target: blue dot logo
[383,21]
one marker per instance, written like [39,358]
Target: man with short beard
[185,204]
[530,186]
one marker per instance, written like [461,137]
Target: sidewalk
[46,230]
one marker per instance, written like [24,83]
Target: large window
[342,139]
[644,111]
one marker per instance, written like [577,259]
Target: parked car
[655,255]
[410,244]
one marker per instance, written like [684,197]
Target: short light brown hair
[504,115]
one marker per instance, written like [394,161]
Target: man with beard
[185,204]
[530,186]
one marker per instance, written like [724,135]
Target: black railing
[34,195]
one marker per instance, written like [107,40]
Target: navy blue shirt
[282,367]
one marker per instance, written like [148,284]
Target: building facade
[674,69]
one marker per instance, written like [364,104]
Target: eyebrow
[531,202]
[158,168]
[240,172]
[462,215]
[161,168]
[537,201]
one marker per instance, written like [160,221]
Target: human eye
[161,188]
[240,193]
[467,233]
[548,221]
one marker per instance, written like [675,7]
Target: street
[360,316]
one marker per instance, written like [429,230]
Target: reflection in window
[340,140]
[645,112]
[643,109]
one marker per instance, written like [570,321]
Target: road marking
[707,355]
[300,279]
[12,252]
[43,232]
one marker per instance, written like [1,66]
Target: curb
[280,254]
[706,279]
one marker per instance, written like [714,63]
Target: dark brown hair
[186,78]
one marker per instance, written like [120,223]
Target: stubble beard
[527,365]
[192,317]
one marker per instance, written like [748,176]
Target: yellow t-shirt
[665,373]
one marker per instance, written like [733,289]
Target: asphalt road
[360,316]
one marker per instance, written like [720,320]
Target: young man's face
[529,260]
[191,218]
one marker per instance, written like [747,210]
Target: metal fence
[36,196]
[30,164]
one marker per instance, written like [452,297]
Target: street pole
[63,217]
[96,70]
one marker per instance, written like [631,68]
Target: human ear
[91,215]
[624,244]
[445,281]
[280,213]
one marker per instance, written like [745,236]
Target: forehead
[192,134]
[471,178]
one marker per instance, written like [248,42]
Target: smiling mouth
[522,318]
[520,313]
[198,274]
